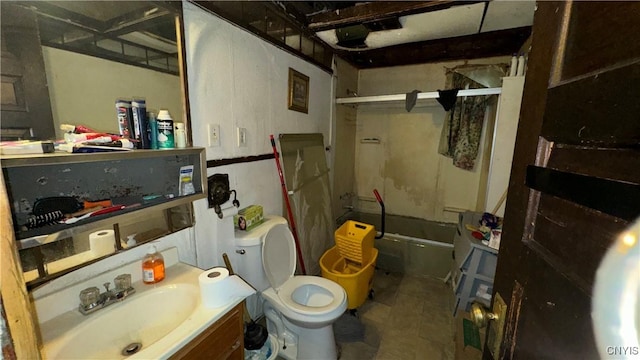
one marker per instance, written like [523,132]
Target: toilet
[299,310]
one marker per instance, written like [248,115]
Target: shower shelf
[474,263]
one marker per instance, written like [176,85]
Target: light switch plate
[213,135]
[242,137]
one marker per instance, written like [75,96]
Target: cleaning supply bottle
[180,135]
[153,130]
[165,130]
[152,266]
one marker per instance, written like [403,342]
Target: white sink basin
[142,319]
[162,317]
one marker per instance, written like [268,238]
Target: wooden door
[575,175]
[25,107]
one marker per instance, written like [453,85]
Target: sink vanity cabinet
[223,340]
[144,182]
[159,321]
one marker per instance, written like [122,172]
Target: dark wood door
[26,108]
[575,175]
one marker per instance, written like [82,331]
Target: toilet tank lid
[255,236]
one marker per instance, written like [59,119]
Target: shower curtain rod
[424,95]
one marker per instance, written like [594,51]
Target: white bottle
[180,135]
[521,61]
[165,130]
[514,65]
[131,241]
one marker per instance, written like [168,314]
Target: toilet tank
[249,249]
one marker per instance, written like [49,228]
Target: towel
[447,98]
[410,101]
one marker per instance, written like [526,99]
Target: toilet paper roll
[229,212]
[102,242]
[218,288]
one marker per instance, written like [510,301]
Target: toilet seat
[279,255]
[306,295]
[322,295]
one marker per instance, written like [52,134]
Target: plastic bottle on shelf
[165,130]
[131,240]
[514,65]
[152,266]
[153,130]
[180,135]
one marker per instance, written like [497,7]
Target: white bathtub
[411,246]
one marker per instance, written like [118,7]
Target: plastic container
[153,130]
[125,118]
[355,241]
[140,123]
[152,266]
[356,279]
[180,136]
[165,130]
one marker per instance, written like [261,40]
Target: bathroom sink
[126,328]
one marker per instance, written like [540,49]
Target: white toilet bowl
[308,301]
[300,310]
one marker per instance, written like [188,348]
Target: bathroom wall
[345,139]
[238,80]
[405,166]
[83,89]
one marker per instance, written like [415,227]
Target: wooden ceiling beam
[494,43]
[376,10]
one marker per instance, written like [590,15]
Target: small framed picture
[298,91]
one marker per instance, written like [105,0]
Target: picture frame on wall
[298,91]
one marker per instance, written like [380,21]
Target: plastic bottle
[139,109]
[125,118]
[165,130]
[180,136]
[131,240]
[152,266]
[153,130]
[514,65]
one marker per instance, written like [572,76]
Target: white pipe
[424,95]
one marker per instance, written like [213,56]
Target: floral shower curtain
[462,128]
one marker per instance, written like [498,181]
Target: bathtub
[411,246]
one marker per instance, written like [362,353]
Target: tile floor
[408,318]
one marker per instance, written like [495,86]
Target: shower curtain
[462,128]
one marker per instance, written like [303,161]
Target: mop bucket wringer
[351,263]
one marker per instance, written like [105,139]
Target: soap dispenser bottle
[152,266]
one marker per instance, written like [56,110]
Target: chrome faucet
[92,300]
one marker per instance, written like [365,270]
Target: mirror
[89,243]
[66,62]
[87,54]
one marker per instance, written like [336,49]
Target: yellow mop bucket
[352,261]
[355,241]
[356,279]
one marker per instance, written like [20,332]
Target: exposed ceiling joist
[494,43]
[372,11]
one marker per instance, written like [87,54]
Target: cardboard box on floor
[466,352]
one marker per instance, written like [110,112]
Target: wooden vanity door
[221,341]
